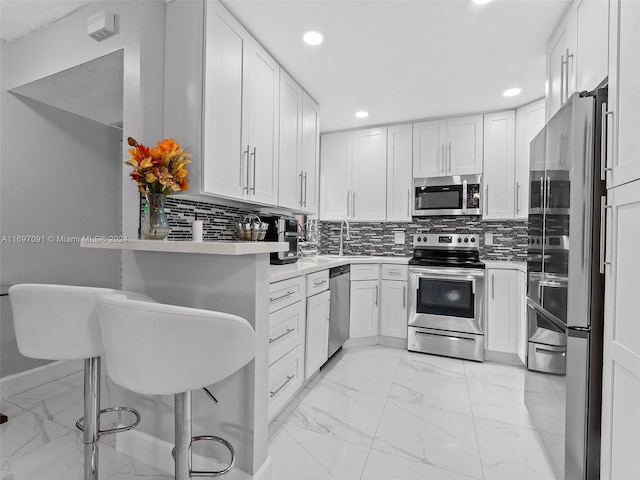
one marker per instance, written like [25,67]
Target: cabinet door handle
[603,221]
[376,304]
[348,195]
[408,202]
[449,157]
[603,142]
[321,282]
[566,80]
[493,286]
[289,330]
[273,299]
[486,199]
[517,197]
[273,393]
[562,63]
[246,152]
[353,206]
[253,187]
[442,159]
[305,189]
[301,202]
[404,296]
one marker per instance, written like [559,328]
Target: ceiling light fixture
[481,2]
[362,114]
[313,37]
[512,92]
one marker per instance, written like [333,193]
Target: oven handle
[447,336]
[450,273]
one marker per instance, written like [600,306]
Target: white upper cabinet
[310,162]
[499,166]
[561,63]
[368,176]
[593,41]
[623,141]
[447,147]
[399,163]
[290,173]
[336,155]
[353,175]
[529,122]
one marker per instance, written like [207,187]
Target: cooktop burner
[446,250]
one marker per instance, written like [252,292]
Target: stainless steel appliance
[283,229]
[565,293]
[446,301]
[455,195]
[339,307]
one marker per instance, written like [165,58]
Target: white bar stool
[59,322]
[157,349]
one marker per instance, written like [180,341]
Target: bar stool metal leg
[182,417]
[91,416]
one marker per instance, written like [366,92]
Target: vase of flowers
[158,171]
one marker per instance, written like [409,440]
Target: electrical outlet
[488,238]
[399,238]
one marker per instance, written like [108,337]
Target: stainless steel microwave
[455,195]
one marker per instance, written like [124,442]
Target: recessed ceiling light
[362,114]
[313,37]
[481,2]
[512,92]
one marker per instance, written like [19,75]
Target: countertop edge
[285,272]
[207,248]
[506,265]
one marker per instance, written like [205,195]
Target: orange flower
[160,169]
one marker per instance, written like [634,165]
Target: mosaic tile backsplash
[509,237]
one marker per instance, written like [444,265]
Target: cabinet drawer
[286,330]
[365,271]
[395,272]
[285,377]
[317,282]
[285,293]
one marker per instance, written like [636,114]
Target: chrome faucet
[348,236]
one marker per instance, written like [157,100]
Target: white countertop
[505,265]
[306,265]
[208,248]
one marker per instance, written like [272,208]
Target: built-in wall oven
[446,281]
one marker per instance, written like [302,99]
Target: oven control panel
[448,241]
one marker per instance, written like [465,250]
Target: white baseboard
[501,357]
[361,342]
[393,341]
[154,451]
[19,382]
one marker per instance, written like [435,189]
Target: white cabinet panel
[317,282]
[365,271]
[285,293]
[286,330]
[529,121]
[592,47]
[429,148]
[368,182]
[290,147]
[394,272]
[335,175]
[285,378]
[624,94]
[499,166]
[393,308]
[503,310]
[561,63]
[621,362]
[310,162]
[522,318]
[464,148]
[399,163]
[317,345]
[364,306]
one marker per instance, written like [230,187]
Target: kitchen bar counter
[208,248]
[306,265]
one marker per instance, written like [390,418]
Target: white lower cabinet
[364,301]
[285,377]
[317,342]
[393,300]
[504,310]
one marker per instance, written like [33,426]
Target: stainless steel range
[446,305]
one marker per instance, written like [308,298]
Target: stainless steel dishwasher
[339,308]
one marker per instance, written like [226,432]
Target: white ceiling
[399,59]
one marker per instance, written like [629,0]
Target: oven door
[446,299]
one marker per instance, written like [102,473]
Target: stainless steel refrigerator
[565,287]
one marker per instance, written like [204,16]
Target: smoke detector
[101,25]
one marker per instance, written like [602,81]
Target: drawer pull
[322,282]
[289,330]
[273,299]
[396,273]
[274,393]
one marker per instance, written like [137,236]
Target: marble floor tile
[300,454]
[25,432]
[47,390]
[351,376]
[443,366]
[508,452]
[436,437]
[339,412]
[62,459]
[140,471]
[384,466]
[500,403]
[498,373]
[548,410]
[427,385]
[377,359]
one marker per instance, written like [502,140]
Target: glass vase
[154,223]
